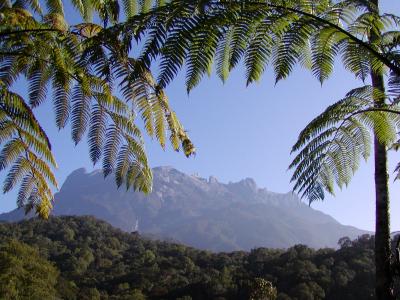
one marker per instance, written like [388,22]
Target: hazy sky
[246,132]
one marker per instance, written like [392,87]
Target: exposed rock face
[198,212]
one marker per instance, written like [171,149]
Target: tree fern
[329,149]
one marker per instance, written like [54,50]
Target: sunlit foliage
[96,87]
[331,146]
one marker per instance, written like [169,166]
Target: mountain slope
[202,213]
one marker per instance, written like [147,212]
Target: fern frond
[26,152]
[139,177]
[159,120]
[61,104]
[55,6]
[356,59]
[175,50]
[323,54]
[258,53]
[11,152]
[123,163]
[80,113]
[27,186]
[146,5]
[294,39]
[110,151]
[96,133]
[201,54]
[38,87]
[130,8]
[20,168]
[223,55]
[242,33]
[332,145]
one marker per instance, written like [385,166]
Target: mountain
[201,213]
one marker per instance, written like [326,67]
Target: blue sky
[246,132]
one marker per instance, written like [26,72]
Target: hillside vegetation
[84,258]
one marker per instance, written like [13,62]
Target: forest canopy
[97,261]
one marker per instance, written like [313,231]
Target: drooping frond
[258,30]
[26,152]
[258,53]
[97,130]
[330,148]
[356,59]
[242,32]
[111,146]
[80,113]
[81,68]
[130,8]
[323,54]
[175,51]
[294,40]
[38,81]
[55,7]
[201,54]
[223,55]
[146,5]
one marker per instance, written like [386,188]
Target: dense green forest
[84,258]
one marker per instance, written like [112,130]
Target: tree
[262,290]
[308,32]
[330,149]
[337,159]
[24,274]
[85,67]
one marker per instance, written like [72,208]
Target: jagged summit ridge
[199,212]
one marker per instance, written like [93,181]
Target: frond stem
[36,31]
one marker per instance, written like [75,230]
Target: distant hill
[201,213]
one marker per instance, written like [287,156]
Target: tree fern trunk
[382,218]
[383,283]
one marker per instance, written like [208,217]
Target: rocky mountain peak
[198,212]
[249,183]
[212,180]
